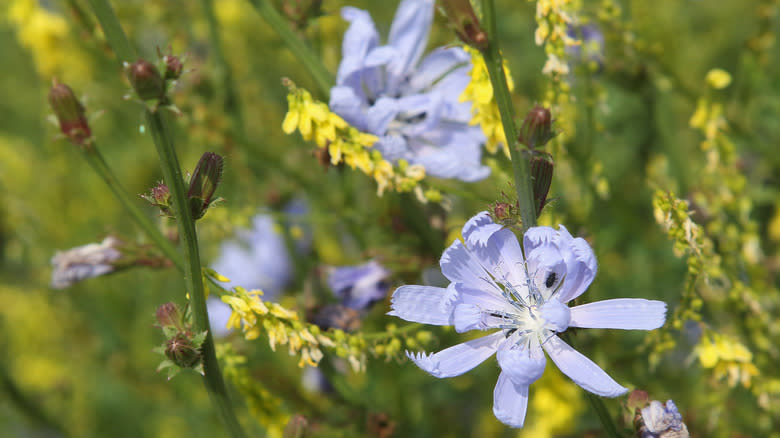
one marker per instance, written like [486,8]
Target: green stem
[192,270]
[495,66]
[98,163]
[304,53]
[193,278]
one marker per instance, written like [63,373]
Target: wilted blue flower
[494,286]
[663,421]
[410,104]
[359,286]
[258,259]
[84,262]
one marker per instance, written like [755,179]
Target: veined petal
[510,401]
[581,369]
[459,265]
[478,229]
[460,358]
[581,267]
[379,116]
[433,67]
[359,39]
[621,313]
[424,304]
[523,365]
[467,317]
[408,34]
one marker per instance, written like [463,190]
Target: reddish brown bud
[465,23]
[169,315]
[70,114]
[182,351]
[146,80]
[173,67]
[204,182]
[537,128]
[541,172]
[299,12]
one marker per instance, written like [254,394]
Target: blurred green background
[78,362]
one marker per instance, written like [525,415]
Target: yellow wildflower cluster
[484,111]
[283,327]
[727,358]
[553,17]
[49,38]
[344,143]
[262,404]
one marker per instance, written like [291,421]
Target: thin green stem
[98,163]
[193,278]
[386,334]
[322,77]
[495,66]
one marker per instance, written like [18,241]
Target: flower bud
[204,182]
[537,128]
[160,196]
[169,315]
[182,351]
[465,23]
[173,67]
[145,79]
[70,114]
[541,173]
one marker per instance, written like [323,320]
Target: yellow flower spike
[291,120]
[718,79]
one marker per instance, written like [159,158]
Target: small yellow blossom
[484,111]
[727,358]
[718,78]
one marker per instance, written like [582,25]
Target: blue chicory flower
[410,104]
[359,286]
[592,44]
[522,292]
[663,421]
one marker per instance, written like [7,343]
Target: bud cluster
[536,132]
[149,84]
[182,347]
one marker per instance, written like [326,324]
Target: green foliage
[668,168]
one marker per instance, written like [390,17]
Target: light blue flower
[258,259]
[494,286]
[410,104]
[663,421]
[219,314]
[359,286]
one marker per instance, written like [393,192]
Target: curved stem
[322,77]
[495,66]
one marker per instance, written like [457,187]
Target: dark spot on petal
[551,277]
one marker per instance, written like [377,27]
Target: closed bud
[70,114]
[541,173]
[182,351]
[160,197]
[465,23]
[146,80]
[169,315]
[204,182]
[173,67]
[537,128]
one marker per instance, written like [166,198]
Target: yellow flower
[718,78]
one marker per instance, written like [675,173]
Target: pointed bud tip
[70,113]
